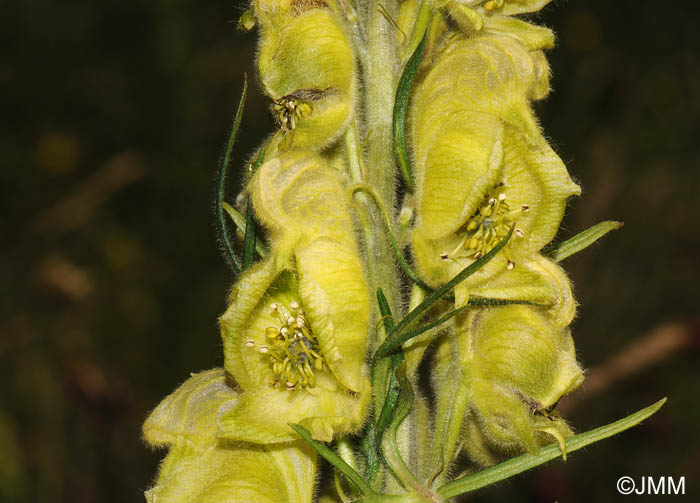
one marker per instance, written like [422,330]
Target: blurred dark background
[113,116]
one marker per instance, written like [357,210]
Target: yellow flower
[295,332]
[510,7]
[514,366]
[200,468]
[477,14]
[307,67]
[482,165]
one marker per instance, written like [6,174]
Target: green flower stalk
[318,373]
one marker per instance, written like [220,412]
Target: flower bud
[307,67]
[517,365]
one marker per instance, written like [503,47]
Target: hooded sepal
[297,196]
[519,365]
[528,190]
[307,67]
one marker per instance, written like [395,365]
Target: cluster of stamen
[288,110]
[292,349]
[489,224]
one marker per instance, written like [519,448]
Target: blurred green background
[113,116]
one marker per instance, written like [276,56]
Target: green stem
[525,462]
[380,83]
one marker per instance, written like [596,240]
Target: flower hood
[295,332]
[482,165]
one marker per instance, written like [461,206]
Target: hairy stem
[380,85]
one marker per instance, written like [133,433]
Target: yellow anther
[493,4]
[293,351]
[288,110]
[489,224]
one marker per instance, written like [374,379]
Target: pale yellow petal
[187,414]
[246,298]
[336,298]
[262,416]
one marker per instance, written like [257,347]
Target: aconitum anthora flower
[512,365]
[202,468]
[295,332]
[483,166]
[342,300]
[307,68]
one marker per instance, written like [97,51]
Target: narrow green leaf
[387,414]
[390,448]
[385,311]
[489,301]
[397,336]
[582,240]
[250,227]
[232,260]
[239,221]
[525,462]
[250,237]
[369,449]
[415,333]
[404,404]
[389,391]
[334,459]
[403,92]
